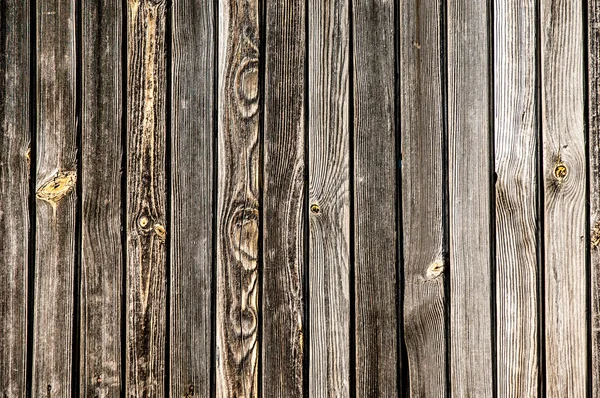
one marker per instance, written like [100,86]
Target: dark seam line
[169,190]
[215,168]
[124,226]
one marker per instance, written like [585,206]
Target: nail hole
[315,209]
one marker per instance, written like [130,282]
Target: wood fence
[300,198]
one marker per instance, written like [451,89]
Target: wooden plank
[56,199]
[564,168]
[422,137]
[469,172]
[329,198]
[101,252]
[516,157]
[146,198]
[238,200]
[192,196]
[283,206]
[375,199]
[15,138]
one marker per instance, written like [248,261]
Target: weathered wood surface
[329,197]
[564,179]
[15,139]
[469,138]
[422,165]
[146,199]
[283,207]
[374,215]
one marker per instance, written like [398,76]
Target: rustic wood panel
[283,206]
[146,198]
[469,171]
[329,198]
[14,196]
[564,168]
[238,199]
[422,135]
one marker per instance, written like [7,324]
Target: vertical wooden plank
[422,135]
[329,197]
[14,195]
[469,172]
[146,198]
[238,199]
[564,168]
[56,198]
[516,156]
[284,170]
[375,199]
[192,193]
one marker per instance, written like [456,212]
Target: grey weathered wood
[238,200]
[329,198]
[564,177]
[14,195]
[283,206]
[469,172]
[146,230]
[56,199]
[422,135]
[375,199]
[516,156]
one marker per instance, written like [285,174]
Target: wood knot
[560,171]
[435,269]
[243,235]
[246,83]
[315,209]
[161,232]
[59,186]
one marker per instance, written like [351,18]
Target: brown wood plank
[283,206]
[146,198]
[422,135]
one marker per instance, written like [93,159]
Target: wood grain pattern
[564,172]
[422,135]
[469,171]
[15,139]
[329,198]
[283,206]
[238,200]
[146,198]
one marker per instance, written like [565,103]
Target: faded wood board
[238,200]
[329,198]
[422,140]
[56,199]
[564,177]
[375,200]
[470,194]
[146,184]
[516,158]
[15,139]
[283,206]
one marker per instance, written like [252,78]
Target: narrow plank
[470,194]
[516,156]
[375,199]
[329,198]
[422,135]
[101,252]
[192,192]
[564,168]
[146,198]
[238,200]
[14,196]
[56,199]
[283,206]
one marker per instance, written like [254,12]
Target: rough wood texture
[422,129]
[56,199]
[516,143]
[192,196]
[284,170]
[238,200]
[375,200]
[14,195]
[329,198]
[564,168]
[146,231]
[469,172]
